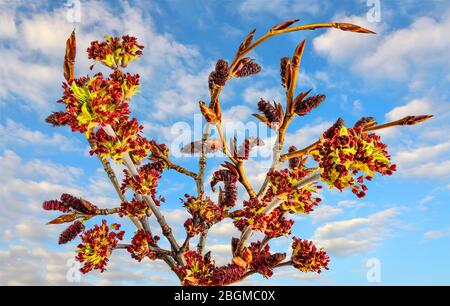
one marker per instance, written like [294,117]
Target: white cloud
[408,53]
[414,107]
[437,234]
[325,212]
[340,46]
[355,236]
[253,94]
[17,134]
[279,8]
[32,57]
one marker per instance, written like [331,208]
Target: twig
[166,230]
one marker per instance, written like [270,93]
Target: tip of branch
[411,120]
[353,28]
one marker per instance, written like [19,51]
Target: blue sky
[404,69]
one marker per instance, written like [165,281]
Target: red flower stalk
[71,232]
[55,205]
[230,193]
[139,248]
[158,166]
[294,163]
[304,106]
[76,204]
[270,111]
[247,67]
[285,70]
[97,245]
[228,274]
[307,258]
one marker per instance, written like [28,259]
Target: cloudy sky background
[404,69]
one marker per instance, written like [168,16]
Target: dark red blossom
[269,111]
[294,163]
[230,188]
[307,258]
[71,232]
[335,128]
[91,102]
[285,70]
[304,106]
[58,118]
[247,67]
[77,204]
[140,245]
[263,261]
[228,274]
[219,76]
[55,205]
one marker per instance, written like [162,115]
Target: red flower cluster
[135,208]
[139,248]
[246,67]
[273,224]
[296,200]
[229,180]
[344,153]
[284,66]
[93,102]
[304,106]
[129,140]
[198,270]
[307,258]
[296,162]
[270,112]
[55,205]
[263,261]
[204,214]
[97,245]
[144,184]
[71,232]
[227,274]
[219,76]
[114,52]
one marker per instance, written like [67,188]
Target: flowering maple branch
[98,107]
